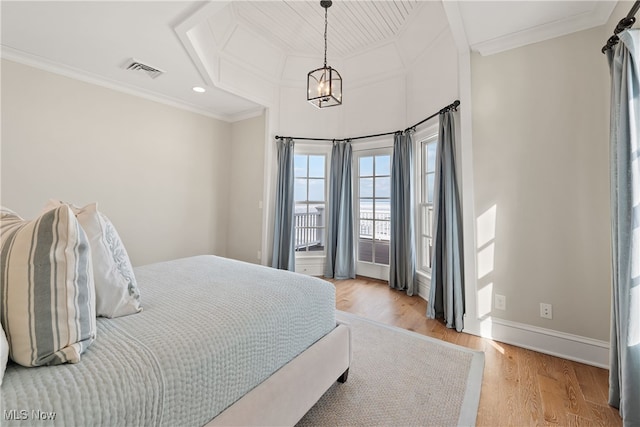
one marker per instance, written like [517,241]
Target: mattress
[211,330]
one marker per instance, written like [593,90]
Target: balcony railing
[309,228]
[382,225]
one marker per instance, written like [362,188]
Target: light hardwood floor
[520,387]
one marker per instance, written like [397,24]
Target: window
[425,204]
[374,207]
[309,199]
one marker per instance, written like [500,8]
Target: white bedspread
[211,330]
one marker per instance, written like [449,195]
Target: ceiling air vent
[139,66]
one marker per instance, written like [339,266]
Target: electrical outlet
[500,302]
[546,311]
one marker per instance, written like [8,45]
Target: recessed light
[199,89]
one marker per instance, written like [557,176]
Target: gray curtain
[283,234]
[341,255]
[624,372]
[402,250]
[446,295]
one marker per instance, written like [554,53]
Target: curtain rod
[453,106]
[626,22]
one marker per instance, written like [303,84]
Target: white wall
[392,102]
[296,117]
[432,77]
[373,107]
[384,89]
[540,147]
[244,238]
[159,173]
[377,107]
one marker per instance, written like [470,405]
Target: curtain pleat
[624,371]
[283,234]
[340,247]
[402,251]
[446,294]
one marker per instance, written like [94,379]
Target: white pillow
[117,292]
[46,288]
[4,353]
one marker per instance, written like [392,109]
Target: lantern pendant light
[324,85]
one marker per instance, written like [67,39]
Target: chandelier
[324,85]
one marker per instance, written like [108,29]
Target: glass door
[373,209]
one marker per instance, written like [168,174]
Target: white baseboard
[561,344]
[555,343]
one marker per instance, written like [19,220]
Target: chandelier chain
[325,37]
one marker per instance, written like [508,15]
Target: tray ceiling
[93,40]
[353,26]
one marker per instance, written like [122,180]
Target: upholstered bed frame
[219,342]
[284,397]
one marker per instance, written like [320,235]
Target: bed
[219,342]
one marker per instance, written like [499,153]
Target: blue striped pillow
[47,296]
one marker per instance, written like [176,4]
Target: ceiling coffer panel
[353,25]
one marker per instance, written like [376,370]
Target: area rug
[401,378]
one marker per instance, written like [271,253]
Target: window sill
[423,275]
[314,256]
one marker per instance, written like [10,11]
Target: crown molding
[245,115]
[84,76]
[562,27]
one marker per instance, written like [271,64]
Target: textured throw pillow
[46,288]
[4,354]
[8,213]
[117,292]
